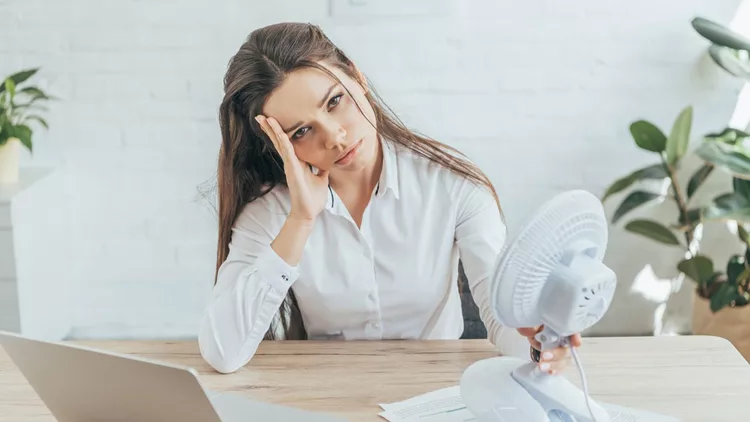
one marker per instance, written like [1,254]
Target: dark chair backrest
[473,325]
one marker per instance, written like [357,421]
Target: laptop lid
[79,384]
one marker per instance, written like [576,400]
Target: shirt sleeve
[480,236]
[251,286]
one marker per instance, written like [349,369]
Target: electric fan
[551,274]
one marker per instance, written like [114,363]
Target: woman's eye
[335,100]
[300,133]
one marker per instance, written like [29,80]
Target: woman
[335,220]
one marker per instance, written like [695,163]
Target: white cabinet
[34,264]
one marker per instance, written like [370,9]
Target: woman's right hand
[308,191]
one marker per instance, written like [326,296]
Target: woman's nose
[335,136]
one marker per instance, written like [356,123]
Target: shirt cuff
[279,274]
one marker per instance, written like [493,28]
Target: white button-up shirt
[393,278]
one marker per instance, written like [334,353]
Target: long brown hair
[249,166]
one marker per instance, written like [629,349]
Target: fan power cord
[582,374]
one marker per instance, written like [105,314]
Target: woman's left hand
[553,361]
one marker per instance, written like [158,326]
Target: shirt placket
[374,328]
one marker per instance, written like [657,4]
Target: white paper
[446,405]
[627,414]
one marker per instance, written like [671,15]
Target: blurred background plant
[726,285]
[728,49]
[20,106]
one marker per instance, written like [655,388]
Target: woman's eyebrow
[321,104]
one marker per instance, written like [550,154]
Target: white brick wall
[540,93]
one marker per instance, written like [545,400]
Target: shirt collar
[388,177]
[389,173]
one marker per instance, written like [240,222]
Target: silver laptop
[81,384]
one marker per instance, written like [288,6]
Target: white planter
[10,153]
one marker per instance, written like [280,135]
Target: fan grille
[528,260]
[606,288]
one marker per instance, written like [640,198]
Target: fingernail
[544,366]
[257,119]
[547,355]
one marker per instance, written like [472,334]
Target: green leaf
[23,133]
[20,77]
[728,136]
[679,137]
[647,136]
[5,129]
[694,215]
[31,101]
[699,268]
[4,133]
[10,86]
[698,178]
[652,230]
[741,187]
[633,201]
[723,296]
[720,34]
[729,206]
[735,267]
[743,234]
[29,107]
[655,171]
[34,91]
[725,157]
[715,277]
[40,120]
[742,299]
[23,75]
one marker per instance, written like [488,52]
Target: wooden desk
[694,378]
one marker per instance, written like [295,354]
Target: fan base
[507,389]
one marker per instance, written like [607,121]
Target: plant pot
[10,153]
[732,324]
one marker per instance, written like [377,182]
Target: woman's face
[322,121]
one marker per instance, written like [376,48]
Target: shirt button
[371,296]
[376,326]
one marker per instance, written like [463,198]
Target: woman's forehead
[300,94]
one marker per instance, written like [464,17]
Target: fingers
[535,343]
[555,360]
[529,331]
[281,141]
[272,128]
[576,340]
[267,129]
[555,354]
[281,137]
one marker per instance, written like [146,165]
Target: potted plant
[19,105]
[721,293]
